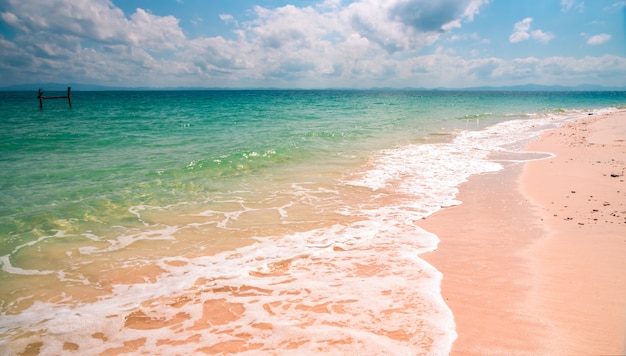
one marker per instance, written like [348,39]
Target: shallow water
[243,221]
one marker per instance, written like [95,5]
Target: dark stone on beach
[614,175]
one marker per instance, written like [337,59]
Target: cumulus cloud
[427,16]
[99,21]
[355,40]
[496,71]
[227,18]
[397,25]
[522,32]
[561,70]
[598,39]
[543,37]
[330,44]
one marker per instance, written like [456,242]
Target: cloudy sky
[313,44]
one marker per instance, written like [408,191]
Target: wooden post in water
[68,97]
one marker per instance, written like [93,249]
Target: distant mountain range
[92,87]
[536,87]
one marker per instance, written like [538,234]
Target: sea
[272,222]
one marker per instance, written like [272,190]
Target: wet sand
[534,260]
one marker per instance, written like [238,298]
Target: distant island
[93,87]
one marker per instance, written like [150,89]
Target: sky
[313,44]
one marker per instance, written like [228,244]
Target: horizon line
[519,87]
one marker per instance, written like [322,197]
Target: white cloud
[97,20]
[357,40]
[567,5]
[519,36]
[598,39]
[522,32]
[12,20]
[361,44]
[541,36]
[227,18]
[444,70]
[397,25]
[154,32]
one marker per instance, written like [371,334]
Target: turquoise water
[160,182]
[156,148]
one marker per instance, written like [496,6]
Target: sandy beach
[534,259]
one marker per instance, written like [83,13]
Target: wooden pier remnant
[42,98]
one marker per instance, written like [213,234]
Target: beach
[539,269]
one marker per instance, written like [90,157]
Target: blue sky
[313,44]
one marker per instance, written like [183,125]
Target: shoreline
[527,269]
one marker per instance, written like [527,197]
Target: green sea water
[138,178]
[114,150]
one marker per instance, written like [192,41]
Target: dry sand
[534,260]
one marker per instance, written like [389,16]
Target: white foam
[284,276]
[9,268]
[126,239]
